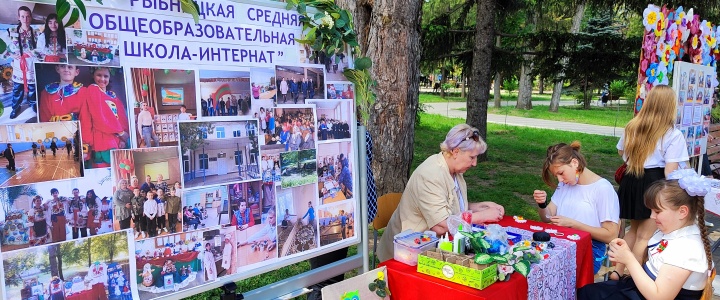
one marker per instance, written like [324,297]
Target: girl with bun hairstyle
[582,199]
[652,148]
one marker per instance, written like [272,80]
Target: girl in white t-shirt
[679,260]
[652,148]
[582,199]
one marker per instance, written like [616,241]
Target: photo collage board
[145,155]
[695,94]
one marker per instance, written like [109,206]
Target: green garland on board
[330,31]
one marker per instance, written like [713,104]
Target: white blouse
[670,148]
[683,249]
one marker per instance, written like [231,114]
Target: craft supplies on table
[409,244]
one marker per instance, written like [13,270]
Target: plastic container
[513,237]
[407,248]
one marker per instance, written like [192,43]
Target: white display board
[253,134]
[693,87]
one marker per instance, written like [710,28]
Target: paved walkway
[452,109]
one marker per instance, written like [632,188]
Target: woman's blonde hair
[642,133]
[463,137]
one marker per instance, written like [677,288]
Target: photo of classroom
[153,170]
[160,98]
[335,182]
[337,222]
[297,223]
[258,242]
[27,209]
[334,121]
[218,152]
[247,204]
[205,207]
[39,152]
[224,93]
[295,84]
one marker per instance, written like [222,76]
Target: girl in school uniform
[679,260]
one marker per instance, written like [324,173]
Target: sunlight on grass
[605,116]
[508,177]
[512,98]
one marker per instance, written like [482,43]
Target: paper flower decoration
[651,15]
[651,73]
[660,25]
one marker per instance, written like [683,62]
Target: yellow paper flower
[679,18]
[660,25]
[381,275]
[652,17]
[695,42]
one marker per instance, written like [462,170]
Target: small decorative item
[519,219]
[533,227]
[354,295]
[574,237]
[662,246]
[379,286]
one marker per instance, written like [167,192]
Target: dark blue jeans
[18,95]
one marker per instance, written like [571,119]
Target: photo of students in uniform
[225,93]
[337,222]
[96,97]
[22,159]
[95,48]
[295,84]
[298,232]
[158,168]
[32,33]
[171,263]
[96,267]
[218,152]
[158,96]
[334,119]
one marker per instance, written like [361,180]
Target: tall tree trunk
[53,256]
[477,102]
[463,80]
[541,86]
[389,33]
[558,82]
[586,100]
[497,98]
[89,241]
[525,85]
[498,81]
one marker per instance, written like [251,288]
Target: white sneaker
[144,235]
[165,229]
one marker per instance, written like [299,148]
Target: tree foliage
[193,134]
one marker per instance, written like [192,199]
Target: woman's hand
[562,221]
[620,252]
[540,196]
[489,214]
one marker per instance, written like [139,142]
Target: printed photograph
[33,34]
[340,91]
[298,168]
[270,162]
[96,97]
[258,243]
[334,64]
[48,212]
[692,77]
[335,181]
[247,203]
[219,152]
[334,119]
[681,97]
[172,263]
[683,80]
[161,98]
[206,207]
[224,93]
[93,48]
[145,184]
[297,225]
[701,79]
[40,152]
[708,81]
[262,83]
[691,94]
[292,127]
[336,222]
[90,268]
[295,84]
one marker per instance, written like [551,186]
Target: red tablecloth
[584,258]
[406,283]
[182,257]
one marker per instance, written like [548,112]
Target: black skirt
[624,290]
[631,192]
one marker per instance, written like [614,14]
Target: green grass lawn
[606,116]
[433,98]
[508,177]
